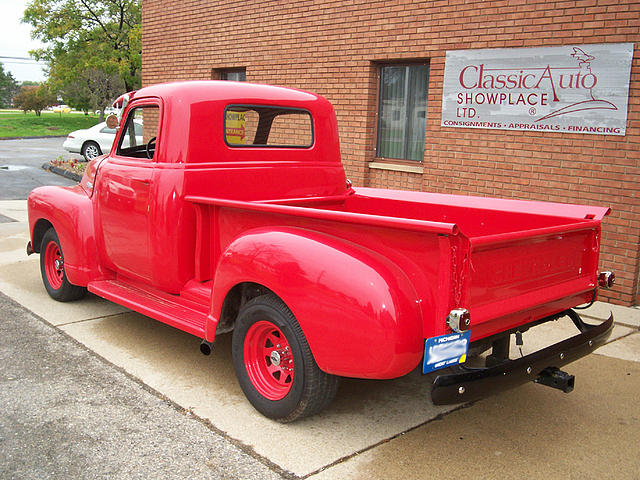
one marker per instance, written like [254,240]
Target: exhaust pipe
[555,378]
[206,347]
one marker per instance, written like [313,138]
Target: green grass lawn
[19,124]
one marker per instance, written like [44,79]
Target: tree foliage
[8,87]
[93,90]
[87,40]
[35,98]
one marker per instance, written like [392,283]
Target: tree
[35,98]
[85,36]
[93,90]
[8,87]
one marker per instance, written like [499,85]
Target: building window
[402,118]
[232,74]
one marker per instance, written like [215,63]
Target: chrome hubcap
[275,358]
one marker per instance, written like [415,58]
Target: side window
[266,126]
[138,139]
[108,130]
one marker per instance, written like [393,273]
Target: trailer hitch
[555,378]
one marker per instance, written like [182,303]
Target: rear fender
[358,310]
[69,211]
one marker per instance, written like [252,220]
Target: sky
[15,41]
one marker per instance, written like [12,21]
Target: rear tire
[274,364]
[54,276]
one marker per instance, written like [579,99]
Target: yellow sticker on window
[234,126]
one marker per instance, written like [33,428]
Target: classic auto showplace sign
[571,89]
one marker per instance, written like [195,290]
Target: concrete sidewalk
[374,429]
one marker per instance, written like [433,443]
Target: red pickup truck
[234,213]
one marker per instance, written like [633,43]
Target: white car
[93,142]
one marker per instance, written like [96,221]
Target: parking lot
[95,390]
[21,165]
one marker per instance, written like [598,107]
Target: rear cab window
[267,126]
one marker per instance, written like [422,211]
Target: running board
[170,309]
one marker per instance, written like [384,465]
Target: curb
[30,138]
[62,172]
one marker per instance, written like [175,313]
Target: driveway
[21,166]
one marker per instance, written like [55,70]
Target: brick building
[345,49]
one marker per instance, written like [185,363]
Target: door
[125,193]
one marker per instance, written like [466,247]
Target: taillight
[606,279]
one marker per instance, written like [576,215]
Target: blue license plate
[445,350]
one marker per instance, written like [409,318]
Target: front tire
[274,364]
[54,276]
[90,150]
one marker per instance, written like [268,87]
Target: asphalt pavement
[21,165]
[67,413]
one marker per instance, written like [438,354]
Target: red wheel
[268,360]
[52,270]
[274,364]
[54,265]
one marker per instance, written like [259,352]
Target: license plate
[445,350]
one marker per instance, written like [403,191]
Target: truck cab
[188,155]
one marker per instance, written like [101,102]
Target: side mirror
[112,121]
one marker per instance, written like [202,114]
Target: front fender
[358,310]
[69,211]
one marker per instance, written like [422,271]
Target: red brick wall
[333,48]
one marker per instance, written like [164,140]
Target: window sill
[396,167]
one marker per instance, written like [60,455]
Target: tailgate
[519,277]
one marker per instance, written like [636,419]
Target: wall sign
[569,89]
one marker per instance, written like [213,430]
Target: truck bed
[508,262]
